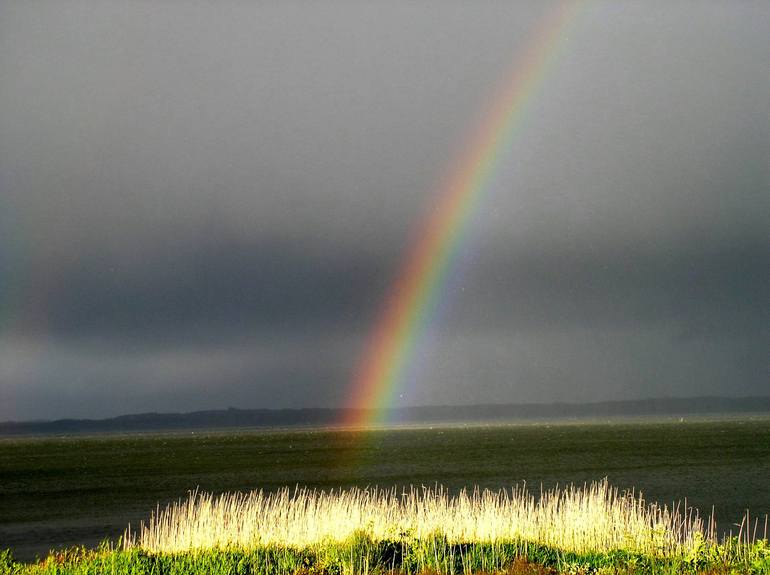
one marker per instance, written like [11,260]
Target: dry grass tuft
[592,518]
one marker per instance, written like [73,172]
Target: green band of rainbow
[418,286]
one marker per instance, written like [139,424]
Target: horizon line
[347,409]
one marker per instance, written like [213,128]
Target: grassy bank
[435,555]
[593,529]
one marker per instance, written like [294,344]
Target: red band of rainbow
[418,284]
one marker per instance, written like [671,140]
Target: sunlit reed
[592,518]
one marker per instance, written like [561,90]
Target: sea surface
[78,490]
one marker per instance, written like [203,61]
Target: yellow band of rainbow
[418,284]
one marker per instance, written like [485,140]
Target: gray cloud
[214,286]
[202,207]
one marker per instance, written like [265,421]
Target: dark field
[56,492]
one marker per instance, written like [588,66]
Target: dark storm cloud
[707,291]
[215,288]
[266,369]
[224,289]
[205,207]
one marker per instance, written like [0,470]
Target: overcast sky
[202,205]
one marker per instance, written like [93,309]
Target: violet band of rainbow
[418,284]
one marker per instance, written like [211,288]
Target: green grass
[361,555]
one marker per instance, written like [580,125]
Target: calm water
[58,492]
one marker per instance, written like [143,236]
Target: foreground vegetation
[435,555]
[594,529]
[595,518]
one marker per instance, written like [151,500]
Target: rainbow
[418,285]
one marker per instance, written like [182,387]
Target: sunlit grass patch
[594,518]
[589,530]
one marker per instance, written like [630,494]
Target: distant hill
[262,418]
